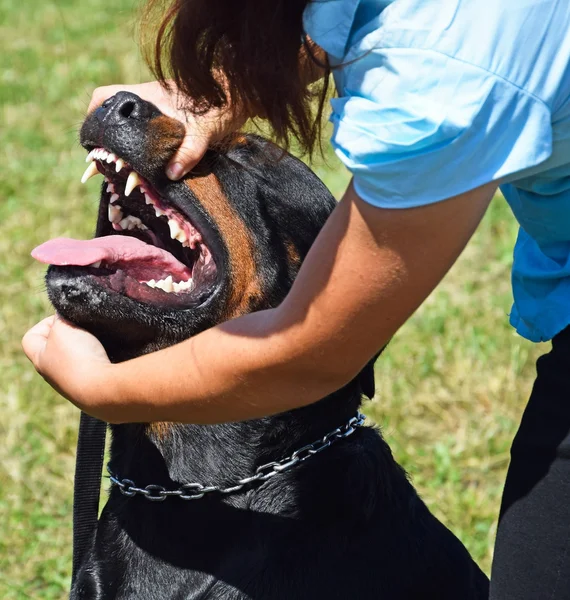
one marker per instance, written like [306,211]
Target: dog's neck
[170,454]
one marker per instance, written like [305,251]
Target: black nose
[124,107]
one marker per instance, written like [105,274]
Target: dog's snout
[124,107]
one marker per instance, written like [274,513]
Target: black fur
[346,524]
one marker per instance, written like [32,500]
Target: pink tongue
[111,249]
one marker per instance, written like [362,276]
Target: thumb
[188,155]
[35,340]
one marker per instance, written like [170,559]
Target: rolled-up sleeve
[416,126]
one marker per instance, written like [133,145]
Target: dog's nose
[124,107]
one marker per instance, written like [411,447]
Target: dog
[307,504]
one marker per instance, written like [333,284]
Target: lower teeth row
[168,285]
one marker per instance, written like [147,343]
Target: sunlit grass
[450,387]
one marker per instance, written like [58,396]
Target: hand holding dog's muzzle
[71,360]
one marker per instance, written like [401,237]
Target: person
[438,103]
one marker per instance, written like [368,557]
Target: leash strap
[87,487]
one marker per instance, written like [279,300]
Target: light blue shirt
[437,97]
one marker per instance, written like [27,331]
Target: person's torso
[525,42]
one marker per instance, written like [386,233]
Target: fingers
[35,340]
[199,133]
[187,156]
[101,94]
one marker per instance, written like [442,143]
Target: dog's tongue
[111,249]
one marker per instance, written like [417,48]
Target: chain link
[195,491]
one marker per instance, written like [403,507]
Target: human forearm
[333,321]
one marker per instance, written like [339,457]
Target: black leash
[87,487]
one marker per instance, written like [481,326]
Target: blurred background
[450,388]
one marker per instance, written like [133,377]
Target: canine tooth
[90,171]
[174,227]
[111,158]
[151,283]
[132,181]
[115,213]
[119,164]
[89,157]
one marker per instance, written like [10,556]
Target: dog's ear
[366,378]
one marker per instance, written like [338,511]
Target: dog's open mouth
[153,252]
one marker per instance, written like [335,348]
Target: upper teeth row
[133,180]
[102,154]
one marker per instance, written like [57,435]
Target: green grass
[450,388]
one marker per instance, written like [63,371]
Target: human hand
[72,361]
[201,130]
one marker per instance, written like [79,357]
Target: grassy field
[450,388]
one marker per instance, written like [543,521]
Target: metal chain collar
[194,491]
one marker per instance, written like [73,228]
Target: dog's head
[171,259]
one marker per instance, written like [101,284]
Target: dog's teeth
[132,181]
[168,284]
[115,213]
[158,212]
[96,265]
[174,227]
[135,223]
[183,286]
[111,158]
[90,171]
[151,283]
[181,237]
[110,187]
[148,199]
[130,222]
[119,164]
[89,157]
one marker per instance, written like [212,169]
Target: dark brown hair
[251,54]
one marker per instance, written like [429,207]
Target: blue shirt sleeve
[416,126]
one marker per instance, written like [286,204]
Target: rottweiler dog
[303,505]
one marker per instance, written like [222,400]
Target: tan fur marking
[293,256]
[241,248]
[238,240]
[158,430]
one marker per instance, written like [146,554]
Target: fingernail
[175,171]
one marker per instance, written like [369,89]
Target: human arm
[368,271]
